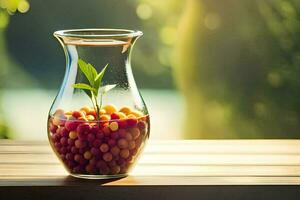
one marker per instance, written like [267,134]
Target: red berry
[77,114]
[64,132]
[141,125]
[131,122]
[95,151]
[69,156]
[82,150]
[122,143]
[97,143]
[122,123]
[71,125]
[78,157]
[114,116]
[111,142]
[71,142]
[122,133]
[80,143]
[99,135]
[115,135]
[121,162]
[63,150]
[106,131]
[94,129]
[57,145]
[64,141]
[74,150]
[105,139]
[82,135]
[91,137]
[83,128]
[55,137]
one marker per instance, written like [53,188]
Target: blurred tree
[159,20]
[8,68]
[238,64]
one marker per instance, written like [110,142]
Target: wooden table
[190,169]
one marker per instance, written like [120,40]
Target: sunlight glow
[144,11]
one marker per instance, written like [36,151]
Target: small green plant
[95,88]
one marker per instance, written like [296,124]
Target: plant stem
[98,111]
[96,106]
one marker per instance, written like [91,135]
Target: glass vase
[98,123]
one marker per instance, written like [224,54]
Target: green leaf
[99,77]
[84,86]
[106,88]
[95,81]
[88,70]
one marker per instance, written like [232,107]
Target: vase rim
[98,33]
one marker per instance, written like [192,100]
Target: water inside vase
[100,52]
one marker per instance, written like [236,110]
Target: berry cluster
[108,146]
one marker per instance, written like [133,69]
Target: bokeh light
[13,6]
[23,6]
[212,21]
[144,11]
[4,19]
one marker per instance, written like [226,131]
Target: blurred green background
[207,69]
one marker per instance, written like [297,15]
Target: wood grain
[190,162]
[237,169]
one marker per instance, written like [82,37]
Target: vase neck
[99,38]
[98,46]
[99,50]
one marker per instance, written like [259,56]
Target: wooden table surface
[214,169]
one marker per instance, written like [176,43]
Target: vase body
[237,65]
[106,140]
